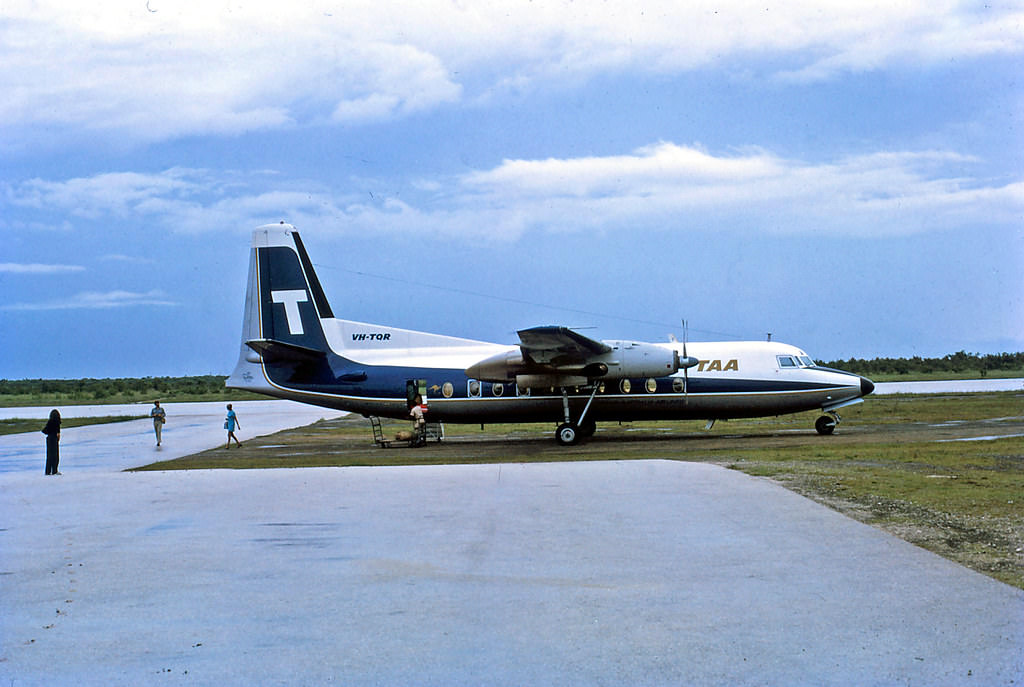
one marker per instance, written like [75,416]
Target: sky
[848,177]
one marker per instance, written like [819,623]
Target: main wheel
[567,434]
[825,425]
[587,429]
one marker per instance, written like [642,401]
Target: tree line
[123,390]
[954,363]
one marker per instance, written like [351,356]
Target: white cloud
[663,187]
[668,186]
[111,193]
[37,268]
[95,300]
[128,259]
[217,67]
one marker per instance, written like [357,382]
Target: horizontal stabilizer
[278,351]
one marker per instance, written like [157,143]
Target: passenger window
[474,388]
[786,361]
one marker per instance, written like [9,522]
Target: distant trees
[958,362]
[126,390]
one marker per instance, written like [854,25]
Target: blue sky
[849,178]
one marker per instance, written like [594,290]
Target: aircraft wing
[553,345]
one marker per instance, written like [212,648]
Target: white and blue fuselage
[293,347]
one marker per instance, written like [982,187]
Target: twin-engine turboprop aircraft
[293,347]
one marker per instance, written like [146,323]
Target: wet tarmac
[190,428]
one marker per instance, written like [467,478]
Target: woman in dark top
[52,432]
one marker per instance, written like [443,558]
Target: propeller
[686,362]
[686,370]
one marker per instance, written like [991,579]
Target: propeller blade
[686,370]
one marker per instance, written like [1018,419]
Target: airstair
[430,431]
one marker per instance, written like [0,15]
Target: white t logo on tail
[291,300]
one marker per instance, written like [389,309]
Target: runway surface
[640,573]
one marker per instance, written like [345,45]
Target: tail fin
[284,304]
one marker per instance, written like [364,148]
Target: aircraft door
[414,388]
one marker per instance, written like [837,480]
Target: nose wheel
[826,424]
[567,434]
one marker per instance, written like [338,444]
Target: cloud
[666,186]
[37,268]
[104,194]
[128,259]
[663,187]
[215,67]
[94,300]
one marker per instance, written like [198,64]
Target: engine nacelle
[634,359]
[502,367]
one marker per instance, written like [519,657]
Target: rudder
[281,330]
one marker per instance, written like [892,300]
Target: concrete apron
[640,573]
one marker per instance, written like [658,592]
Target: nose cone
[866,386]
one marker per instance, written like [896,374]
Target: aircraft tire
[587,429]
[825,425]
[567,434]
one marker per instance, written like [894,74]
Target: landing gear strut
[569,432]
[825,424]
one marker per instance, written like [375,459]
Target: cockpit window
[806,361]
[786,361]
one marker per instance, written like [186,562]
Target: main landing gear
[569,432]
[826,424]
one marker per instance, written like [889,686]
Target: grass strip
[18,425]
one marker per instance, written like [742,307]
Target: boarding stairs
[430,431]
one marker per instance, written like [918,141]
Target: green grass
[58,400]
[18,425]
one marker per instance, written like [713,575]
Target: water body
[955,386]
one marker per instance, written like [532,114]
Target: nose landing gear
[569,432]
[826,424]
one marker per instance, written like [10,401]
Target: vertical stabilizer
[284,303]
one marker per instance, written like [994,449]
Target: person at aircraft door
[416,413]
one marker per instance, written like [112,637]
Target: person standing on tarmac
[159,416]
[52,432]
[229,424]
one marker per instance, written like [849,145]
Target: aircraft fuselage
[294,348]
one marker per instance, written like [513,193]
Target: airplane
[293,347]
